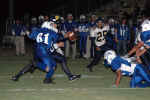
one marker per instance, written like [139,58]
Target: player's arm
[58,45]
[135,48]
[98,48]
[118,78]
[116,40]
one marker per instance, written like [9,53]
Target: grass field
[92,86]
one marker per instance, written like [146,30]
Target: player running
[53,50]
[101,43]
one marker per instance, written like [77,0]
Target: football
[72,36]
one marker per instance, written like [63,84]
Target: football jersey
[126,67]
[145,34]
[100,35]
[145,37]
[83,29]
[45,38]
[70,26]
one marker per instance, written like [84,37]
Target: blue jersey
[145,37]
[121,64]
[92,24]
[44,38]
[18,28]
[123,32]
[70,26]
[112,30]
[83,29]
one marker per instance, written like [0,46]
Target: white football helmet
[82,17]
[49,25]
[109,56]
[46,24]
[145,26]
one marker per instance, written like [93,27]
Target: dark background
[36,7]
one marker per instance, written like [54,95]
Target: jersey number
[42,38]
[101,35]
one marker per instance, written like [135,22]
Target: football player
[59,56]
[83,29]
[92,24]
[45,40]
[124,68]
[142,49]
[55,52]
[70,26]
[101,43]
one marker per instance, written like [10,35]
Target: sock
[50,73]
[24,70]
[41,66]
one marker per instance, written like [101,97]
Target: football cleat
[74,77]
[33,66]
[90,69]
[14,78]
[48,81]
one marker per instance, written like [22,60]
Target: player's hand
[71,36]
[60,44]
[114,86]
[98,49]
[116,40]
[28,33]
[141,43]
[66,35]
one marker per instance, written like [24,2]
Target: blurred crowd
[123,33]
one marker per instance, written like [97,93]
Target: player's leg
[73,46]
[96,59]
[143,73]
[48,65]
[145,58]
[61,59]
[139,76]
[135,80]
[139,53]
[134,49]
[84,44]
[136,77]
[64,66]
[67,48]
[87,55]
[98,54]
[92,48]
[45,63]
[81,46]
[143,85]
[119,47]
[30,67]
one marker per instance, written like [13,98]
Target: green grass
[92,86]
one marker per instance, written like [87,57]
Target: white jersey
[100,35]
[127,70]
[92,32]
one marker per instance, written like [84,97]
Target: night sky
[35,7]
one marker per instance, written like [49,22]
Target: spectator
[123,37]
[70,26]
[92,25]
[83,29]
[18,30]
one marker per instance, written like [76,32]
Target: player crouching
[139,77]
